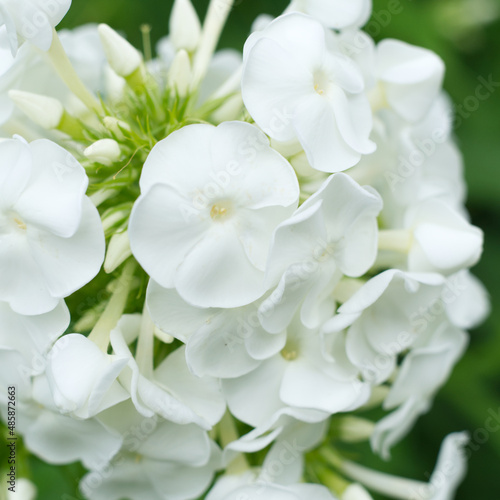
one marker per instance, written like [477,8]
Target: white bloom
[298,83]
[382,320]
[305,375]
[271,492]
[450,469]
[467,301]
[223,343]
[337,14]
[160,460]
[82,378]
[447,476]
[171,391]
[59,439]
[333,233]
[423,372]
[32,336]
[443,240]
[32,20]
[52,242]
[205,218]
[410,78]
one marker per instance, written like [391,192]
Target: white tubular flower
[423,372]
[269,491]
[82,378]
[443,240]
[32,336]
[44,111]
[333,233]
[51,237]
[447,476]
[381,319]
[59,439]
[222,343]
[160,460]
[450,469]
[467,300]
[298,83]
[305,375]
[32,21]
[336,14]
[410,78]
[171,391]
[204,221]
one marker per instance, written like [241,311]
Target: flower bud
[356,492]
[116,126]
[179,75]
[46,112]
[105,151]
[355,429]
[123,58]
[118,252]
[185,27]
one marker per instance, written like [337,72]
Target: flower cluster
[284,245]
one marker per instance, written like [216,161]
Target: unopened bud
[355,429]
[356,492]
[116,126]
[118,251]
[179,75]
[46,112]
[123,57]
[185,27]
[106,152]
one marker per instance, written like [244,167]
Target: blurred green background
[466,34]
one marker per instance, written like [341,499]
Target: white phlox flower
[443,241]
[170,390]
[335,13]
[51,237]
[381,320]
[159,460]
[409,78]
[334,233]
[222,343]
[423,372]
[82,378]
[32,336]
[32,21]
[56,438]
[306,375]
[204,221]
[298,83]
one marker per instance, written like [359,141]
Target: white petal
[262,385]
[203,395]
[218,349]
[218,273]
[319,134]
[161,234]
[70,263]
[52,199]
[173,315]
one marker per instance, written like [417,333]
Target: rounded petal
[70,263]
